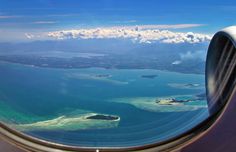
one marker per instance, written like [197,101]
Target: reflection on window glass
[104,73]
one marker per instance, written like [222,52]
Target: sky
[144,21]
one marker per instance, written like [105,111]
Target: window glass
[105,73]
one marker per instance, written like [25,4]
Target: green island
[80,122]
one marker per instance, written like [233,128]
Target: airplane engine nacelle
[221,68]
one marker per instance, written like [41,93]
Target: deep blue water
[31,94]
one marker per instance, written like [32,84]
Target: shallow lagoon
[34,99]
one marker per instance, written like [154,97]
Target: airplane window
[105,73]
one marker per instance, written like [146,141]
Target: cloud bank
[141,34]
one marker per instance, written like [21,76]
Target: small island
[151,76]
[103,76]
[103,117]
[186,85]
[73,122]
[170,101]
[192,85]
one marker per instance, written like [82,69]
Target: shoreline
[102,68]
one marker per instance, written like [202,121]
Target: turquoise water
[53,104]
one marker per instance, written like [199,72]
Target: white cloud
[29,36]
[161,26]
[126,21]
[44,22]
[177,62]
[199,55]
[34,36]
[165,26]
[8,16]
[63,15]
[141,34]
[191,56]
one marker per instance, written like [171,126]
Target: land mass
[109,61]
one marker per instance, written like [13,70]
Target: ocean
[54,104]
